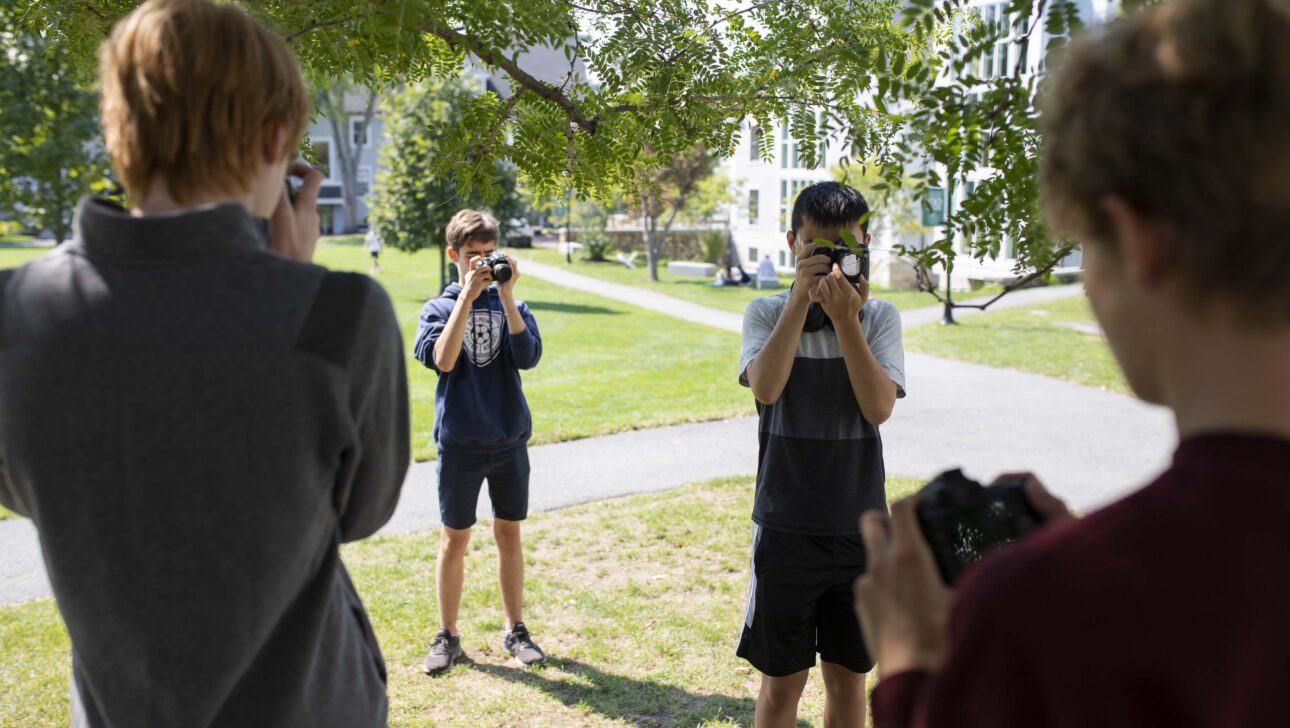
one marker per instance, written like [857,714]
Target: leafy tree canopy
[893,79]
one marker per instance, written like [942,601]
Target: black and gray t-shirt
[819,462]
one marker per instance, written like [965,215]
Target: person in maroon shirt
[1167,153]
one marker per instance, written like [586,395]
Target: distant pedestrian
[374,247]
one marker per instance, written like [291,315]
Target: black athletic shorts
[461,475]
[800,603]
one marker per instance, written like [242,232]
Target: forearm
[769,371]
[514,321]
[448,347]
[874,391]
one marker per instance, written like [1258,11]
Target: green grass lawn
[638,601]
[606,366]
[1030,339]
[695,290]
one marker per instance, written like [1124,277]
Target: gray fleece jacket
[195,424]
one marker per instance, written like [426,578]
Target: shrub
[714,246]
[596,245]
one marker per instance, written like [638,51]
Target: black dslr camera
[961,519]
[496,263]
[853,263]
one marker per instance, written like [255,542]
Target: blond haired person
[193,416]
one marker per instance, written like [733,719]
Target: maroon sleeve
[896,697]
[992,676]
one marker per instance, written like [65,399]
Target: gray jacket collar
[105,229]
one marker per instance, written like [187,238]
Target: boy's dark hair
[829,204]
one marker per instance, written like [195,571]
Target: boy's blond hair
[192,93]
[469,225]
[1182,111]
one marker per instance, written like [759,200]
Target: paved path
[697,313]
[1089,446]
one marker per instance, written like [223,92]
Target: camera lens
[850,265]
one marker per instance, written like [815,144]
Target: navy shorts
[801,603]
[462,474]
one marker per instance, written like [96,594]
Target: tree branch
[316,25]
[925,280]
[519,75]
[507,107]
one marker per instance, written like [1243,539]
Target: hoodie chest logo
[483,340]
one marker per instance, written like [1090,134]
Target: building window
[783,260]
[994,63]
[752,255]
[363,180]
[790,149]
[788,189]
[323,148]
[357,131]
[787,147]
[754,142]
[754,206]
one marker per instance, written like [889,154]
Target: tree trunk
[333,103]
[58,221]
[651,245]
[443,268]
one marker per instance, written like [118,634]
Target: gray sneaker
[516,641]
[444,653]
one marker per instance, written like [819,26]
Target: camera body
[853,265]
[962,519]
[498,266]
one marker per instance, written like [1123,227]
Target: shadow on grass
[642,703]
[569,308]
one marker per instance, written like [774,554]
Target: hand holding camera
[840,298]
[478,276]
[812,265]
[505,271]
[293,229]
[842,289]
[905,598]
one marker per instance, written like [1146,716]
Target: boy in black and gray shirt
[826,365]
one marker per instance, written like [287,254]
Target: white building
[370,137]
[766,190]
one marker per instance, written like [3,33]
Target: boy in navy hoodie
[478,338]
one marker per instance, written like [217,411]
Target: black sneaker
[517,642]
[444,653]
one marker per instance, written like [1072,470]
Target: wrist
[796,306]
[850,328]
[898,658]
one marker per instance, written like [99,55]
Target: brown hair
[1183,111]
[469,225]
[192,93]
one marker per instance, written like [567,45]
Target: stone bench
[691,268]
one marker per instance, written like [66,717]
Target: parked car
[519,233]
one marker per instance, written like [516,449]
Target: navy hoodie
[480,405]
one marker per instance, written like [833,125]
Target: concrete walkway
[1089,446]
[687,311]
